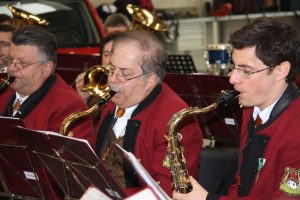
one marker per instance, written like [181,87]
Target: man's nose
[113,78]
[234,77]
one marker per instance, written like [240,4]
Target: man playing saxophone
[266,59]
[138,114]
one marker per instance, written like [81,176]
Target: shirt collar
[128,112]
[20,98]
[264,114]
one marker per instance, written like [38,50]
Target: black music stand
[46,165]
[202,90]
[19,176]
[182,64]
[70,65]
[71,163]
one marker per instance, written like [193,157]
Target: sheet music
[63,136]
[11,121]
[94,193]
[144,175]
[145,194]
[72,138]
[70,162]
[9,117]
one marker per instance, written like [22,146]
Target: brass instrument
[21,17]
[143,19]
[5,83]
[96,81]
[96,84]
[175,157]
[96,78]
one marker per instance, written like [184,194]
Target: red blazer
[280,138]
[146,130]
[59,102]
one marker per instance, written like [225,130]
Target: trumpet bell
[21,16]
[142,18]
[96,81]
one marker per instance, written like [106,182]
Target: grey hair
[39,37]
[153,56]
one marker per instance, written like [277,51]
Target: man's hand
[198,192]
[79,85]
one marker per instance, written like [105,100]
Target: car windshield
[70,20]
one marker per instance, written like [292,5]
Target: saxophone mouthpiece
[11,79]
[112,93]
[227,97]
[5,83]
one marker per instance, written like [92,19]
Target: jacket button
[264,141]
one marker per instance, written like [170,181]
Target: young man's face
[256,89]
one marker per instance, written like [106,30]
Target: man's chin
[15,85]
[116,99]
[119,101]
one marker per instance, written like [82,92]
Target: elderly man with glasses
[37,95]
[137,116]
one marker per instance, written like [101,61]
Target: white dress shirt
[121,123]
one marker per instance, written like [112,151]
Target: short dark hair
[5,18]
[39,37]
[153,53]
[115,20]
[274,42]
[108,38]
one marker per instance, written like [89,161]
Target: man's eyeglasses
[245,73]
[122,78]
[18,65]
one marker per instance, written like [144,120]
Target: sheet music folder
[143,174]
[55,163]
[11,121]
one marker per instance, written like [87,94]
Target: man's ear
[48,68]
[282,70]
[151,81]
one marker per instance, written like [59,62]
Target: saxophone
[67,122]
[96,84]
[176,161]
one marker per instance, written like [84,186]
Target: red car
[77,27]
[75,23]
